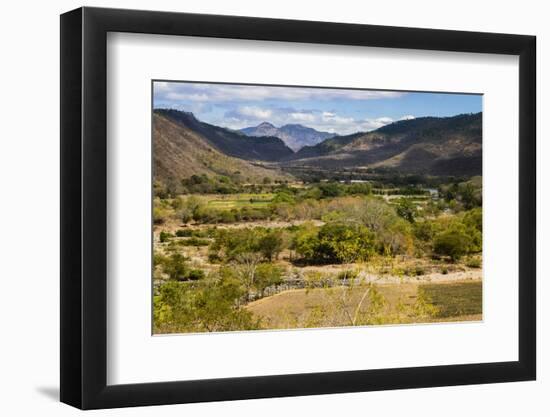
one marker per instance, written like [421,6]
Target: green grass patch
[240,200]
[454,299]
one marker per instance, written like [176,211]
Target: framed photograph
[259,208]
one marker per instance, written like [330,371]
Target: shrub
[406,209]
[453,242]
[267,275]
[270,244]
[473,263]
[175,267]
[350,274]
[335,243]
[165,236]
[195,274]
[184,233]
[159,215]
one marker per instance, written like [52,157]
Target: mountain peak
[295,136]
[265,124]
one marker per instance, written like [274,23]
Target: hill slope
[427,145]
[179,152]
[295,136]
[229,142]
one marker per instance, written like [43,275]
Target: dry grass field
[400,304]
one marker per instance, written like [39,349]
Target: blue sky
[333,110]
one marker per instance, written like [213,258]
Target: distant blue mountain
[295,136]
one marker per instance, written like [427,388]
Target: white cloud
[303,117]
[255,112]
[328,121]
[173,91]
[243,106]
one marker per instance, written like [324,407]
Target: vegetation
[250,235]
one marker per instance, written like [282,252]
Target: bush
[210,232]
[453,243]
[209,305]
[158,216]
[406,209]
[334,243]
[350,274]
[473,263]
[415,271]
[195,274]
[165,236]
[267,275]
[331,189]
[270,244]
[184,233]
[175,266]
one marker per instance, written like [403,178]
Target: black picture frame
[84,207]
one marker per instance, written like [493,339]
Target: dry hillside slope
[180,152]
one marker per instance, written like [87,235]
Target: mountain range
[295,136]
[183,146]
[425,145]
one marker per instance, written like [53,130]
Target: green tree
[453,242]
[335,243]
[204,306]
[175,266]
[407,209]
[267,275]
[270,244]
[330,189]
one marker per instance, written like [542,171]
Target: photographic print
[287,207]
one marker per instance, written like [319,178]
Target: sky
[341,111]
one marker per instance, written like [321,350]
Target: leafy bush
[175,266]
[196,232]
[335,243]
[184,233]
[228,245]
[159,215]
[267,275]
[349,274]
[165,236]
[473,262]
[270,244]
[453,243]
[195,274]
[207,305]
[406,209]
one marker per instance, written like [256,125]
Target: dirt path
[173,226]
[434,278]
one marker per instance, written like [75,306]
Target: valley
[373,228]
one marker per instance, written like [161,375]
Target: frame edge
[70,220]
[83,211]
